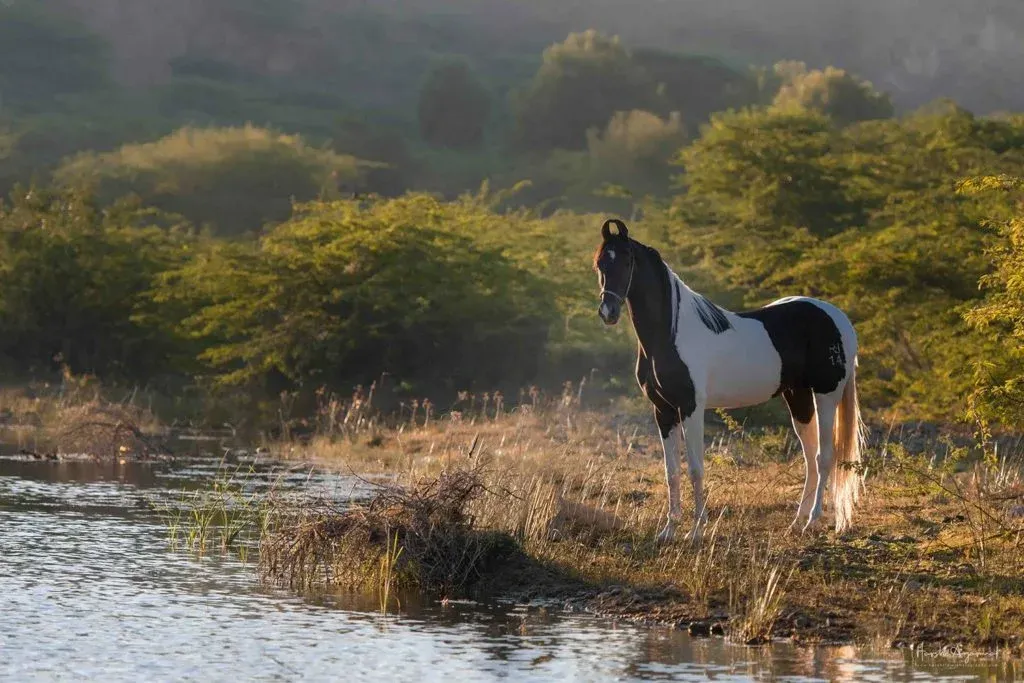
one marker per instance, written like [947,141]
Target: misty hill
[917,50]
[581,99]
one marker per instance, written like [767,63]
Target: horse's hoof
[667,534]
[813,524]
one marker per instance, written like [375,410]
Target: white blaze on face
[604,310]
[611,254]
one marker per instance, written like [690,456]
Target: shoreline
[934,561]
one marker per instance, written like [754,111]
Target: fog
[917,50]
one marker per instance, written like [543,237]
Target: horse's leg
[825,405]
[801,409]
[668,424]
[693,427]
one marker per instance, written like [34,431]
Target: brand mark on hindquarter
[836,354]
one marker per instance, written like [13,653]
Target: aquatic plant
[228,514]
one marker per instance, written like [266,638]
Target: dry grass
[73,419]
[357,546]
[938,535]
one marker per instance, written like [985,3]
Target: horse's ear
[606,228]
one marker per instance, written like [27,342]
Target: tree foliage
[801,182]
[696,86]
[580,84]
[344,291]
[236,179]
[454,107]
[74,283]
[770,173]
[635,148]
[884,234]
[998,394]
[839,95]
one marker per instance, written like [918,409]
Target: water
[89,590]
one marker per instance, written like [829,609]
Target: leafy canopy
[235,179]
[346,290]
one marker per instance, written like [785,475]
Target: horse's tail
[848,442]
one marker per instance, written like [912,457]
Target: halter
[629,282]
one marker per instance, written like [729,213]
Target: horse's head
[614,265]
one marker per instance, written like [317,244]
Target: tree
[454,107]
[833,92]
[770,173]
[998,395]
[73,280]
[696,86]
[236,179]
[634,150]
[581,83]
[885,236]
[345,291]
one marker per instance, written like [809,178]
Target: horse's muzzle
[609,311]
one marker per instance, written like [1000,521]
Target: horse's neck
[658,321]
[653,309]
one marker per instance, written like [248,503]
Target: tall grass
[228,514]
[549,484]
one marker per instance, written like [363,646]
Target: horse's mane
[651,258]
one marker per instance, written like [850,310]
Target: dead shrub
[104,430]
[425,532]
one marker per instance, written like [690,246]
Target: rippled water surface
[89,589]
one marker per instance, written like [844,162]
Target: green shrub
[237,179]
[74,281]
[998,395]
[581,83]
[347,290]
[833,92]
[634,150]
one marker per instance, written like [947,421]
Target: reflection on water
[89,590]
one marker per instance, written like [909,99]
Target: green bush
[998,395]
[696,86]
[235,179]
[74,283]
[347,290]
[770,173]
[580,84]
[781,203]
[833,92]
[634,150]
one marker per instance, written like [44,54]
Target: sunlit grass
[572,500]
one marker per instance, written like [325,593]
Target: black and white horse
[693,355]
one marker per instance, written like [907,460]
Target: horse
[694,355]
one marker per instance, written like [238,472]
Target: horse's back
[838,316]
[815,340]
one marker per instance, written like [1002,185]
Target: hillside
[918,51]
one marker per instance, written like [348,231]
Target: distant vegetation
[235,179]
[276,219]
[454,107]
